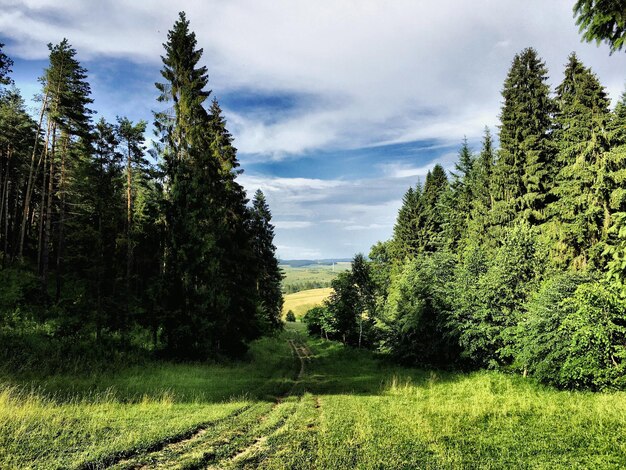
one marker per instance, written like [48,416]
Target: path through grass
[310,404]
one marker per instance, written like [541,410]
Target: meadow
[300,302]
[311,276]
[299,402]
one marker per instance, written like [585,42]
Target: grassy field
[305,403]
[302,301]
[311,276]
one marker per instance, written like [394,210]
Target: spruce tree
[409,228]
[602,21]
[523,172]
[456,203]
[580,213]
[435,188]
[615,158]
[269,273]
[210,291]
[184,88]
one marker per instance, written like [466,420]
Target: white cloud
[383,71]
[332,217]
[373,72]
[403,170]
[292,224]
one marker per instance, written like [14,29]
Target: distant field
[302,301]
[311,277]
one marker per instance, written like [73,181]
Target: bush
[319,321]
[541,345]
[414,324]
[491,294]
[594,333]
[290,316]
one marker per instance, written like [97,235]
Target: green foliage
[595,327]
[413,325]
[580,215]
[602,21]
[270,275]
[343,306]
[5,67]
[290,316]
[456,203]
[320,321]
[523,172]
[491,297]
[541,342]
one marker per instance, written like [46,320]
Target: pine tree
[67,89]
[581,210]
[435,188]
[17,132]
[131,137]
[269,273]
[97,226]
[523,172]
[456,202]
[5,67]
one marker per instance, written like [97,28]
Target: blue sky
[337,106]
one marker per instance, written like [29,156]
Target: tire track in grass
[221,442]
[252,451]
[119,457]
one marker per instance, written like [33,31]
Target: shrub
[594,331]
[290,316]
[414,323]
[541,344]
[319,321]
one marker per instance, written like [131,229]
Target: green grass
[65,421]
[301,302]
[349,410]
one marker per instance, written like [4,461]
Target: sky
[337,106]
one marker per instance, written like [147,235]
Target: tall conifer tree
[524,167]
[581,210]
[269,274]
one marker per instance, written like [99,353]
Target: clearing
[301,302]
[303,403]
[311,276]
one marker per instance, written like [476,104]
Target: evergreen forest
[113,241]
[514,260]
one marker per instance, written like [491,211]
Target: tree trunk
[5,208]
[129,221]
[45,251]
[42,206]
[61,226]
[31,173]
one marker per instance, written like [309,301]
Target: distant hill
[299,263]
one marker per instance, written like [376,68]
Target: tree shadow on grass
[272,371]
[337,369]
